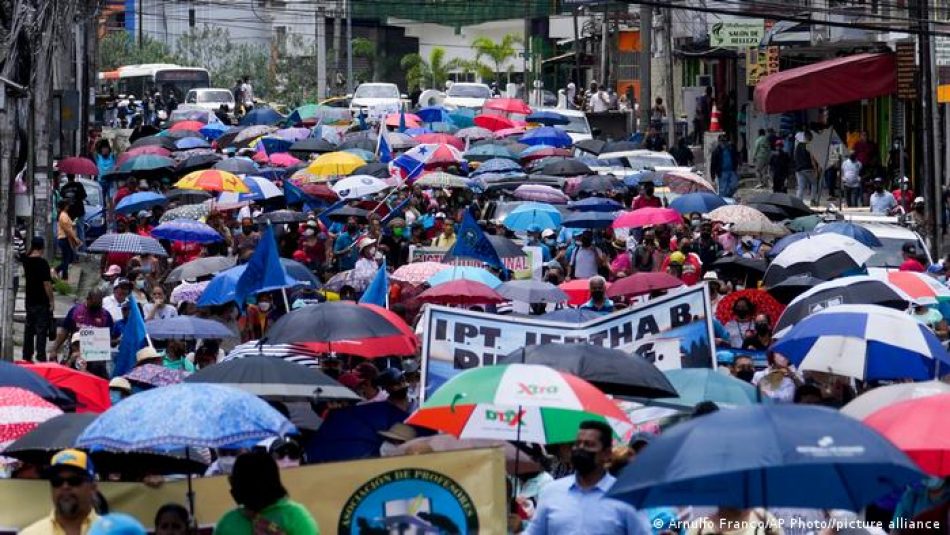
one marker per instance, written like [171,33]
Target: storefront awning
[827,83]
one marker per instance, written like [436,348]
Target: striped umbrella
[921,287]
[855,290]
[127,242]
[186,230]
[824,256]
[20,412]
[295,353]
[540,193]
[523,402]
[867,342]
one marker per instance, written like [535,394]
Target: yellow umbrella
[213,180]
[335,164]
[305,176]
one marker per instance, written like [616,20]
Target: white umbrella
[356,186]
[823,256]
[884,396]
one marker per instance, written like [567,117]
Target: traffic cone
[714,120]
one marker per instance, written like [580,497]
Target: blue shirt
[726,165]
[608,306]
[565,508]
[347,258]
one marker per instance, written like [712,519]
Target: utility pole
[349,46]
[670,114]
[7,265]
[646,56]
[603,47]
[528,92]
[578,80]
[321,43]
[140,8]
[930,183]
[337,43]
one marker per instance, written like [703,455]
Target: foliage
[432,72]
[296,80]
[211,47]
[62,287]
[498,52]
[366,49]
[118,48]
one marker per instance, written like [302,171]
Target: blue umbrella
[532,214]
[273,145]
[533,149]
[434,114]
[785,241]
[221,288]
[702,202]
[695,385]
[187,328]
[363,154]
[547,135]
[20,377]
[263,116]
[497,165]
[186,230]
[300,273]
[191,143]
[443,127]
[867,342]
[851,230]
[213,130]
[767,456]
[595,204]
[465,272]
[353,432]
[589,220]
[547,118]
[489,151]
[463,117]
[142,200]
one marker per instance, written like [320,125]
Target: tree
[498,52]
[211,48]
[435,71]
[118,49]
[366,49]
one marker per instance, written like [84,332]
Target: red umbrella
[918,427]
[507,132]
[646,217]
[320,190]
[447,139]
[91,391]
[22,412]
[395,319]
[461,292]
[507,105]
[493,122]
[77,165]
[762,301]
[412,120]
[643,283]
[578,291]
[261,158]
[193,126]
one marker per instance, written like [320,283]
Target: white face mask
[388,449]
[264,306]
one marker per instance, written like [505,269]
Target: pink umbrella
[22,411]
[77,165]
[448,139]
[261,157]
[417,273]
[507,105]
[646,217]
[507,132]
[282,159]
[541,193]
[461,292]
[412,120]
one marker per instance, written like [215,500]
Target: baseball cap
[113,270]
[410,366]
[117,524]
[919,200]
[677,257]
[73,459]
[75,338]
[711,276]
[389,377]
[440,215]
[547,233]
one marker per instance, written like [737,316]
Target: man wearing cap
[87,314]
[909,252]
[919,218]
[73,491]
[881,201]
[120,294]
[38,301]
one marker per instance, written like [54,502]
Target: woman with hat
[366,263]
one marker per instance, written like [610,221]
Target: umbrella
[187,328]
[22,411]
[441,179]
[417,273]
[881,397]
[854,290]
[762,302]
[738,267]
[497,164]
[353,432]
[274,379]
[193,126]
[446,139]
[701,201]
[540,193]
[920,287]
[185,196]
[142,200]
[461,292]
[547,135]
[362,143]
[192,143]
[507,105]
[512,133]
[464,272]
[342,214]
[221,289]
[537,152]
[825,256]
[751,456]
[261,116]
[345,327]
[684,182]
[600,184]
[595,204]
[297,354]
[791,205]
[335,164]
[533,214]
[489,152]
[197,162]
[642,284]
[91,391]
[578,291]
[312,145]
[505,248]
[784,242]
[259,189]
[146,163]
[522,402]
[188,292]
[282,159]
[358,280]
[759,228]
[613,371]
[851,230]
[127,242]
[918,428]
[805,223]
[356,186]
[474,133]
[792,287]
[77,165]
[565,167]
[159,141]
[590,220]
[199,267]
[281,217]
[433,114]
[186,230]
[52,435]
[493,122]
[191,211]
[774,213]
[592,146]
[213,130]
[237,166]
[547,118]
[378,170]
[736,214]
[867,342]
[212,180]
[571,315]
[155,375]
[531,291]
[646,217]
[695,385]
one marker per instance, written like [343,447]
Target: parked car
[466,95]
[893,236]
[210,99]
[376,95]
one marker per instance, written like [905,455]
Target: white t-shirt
[600,102]
[166,312]
[851,173]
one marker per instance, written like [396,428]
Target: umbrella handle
[191,494]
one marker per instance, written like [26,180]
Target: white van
[210,98]
[466,95]
[376,95]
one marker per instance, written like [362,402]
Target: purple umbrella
[541,193]
[156,375]
[293,134]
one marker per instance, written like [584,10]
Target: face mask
[397,232]
[597,295]
[94,308]
[246,230]
[933,483]
[583,461]
[761,329]
[287,462]
[742,312]
[695,223]
[309,232]
[388,449]
[226,464]
[146,268]
[399,394]
[585,242]
[919,209]
[264,306]
[351,229]
[140,284]
[745,375]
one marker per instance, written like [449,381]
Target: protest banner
[95,344]
[464,491]
[522,267]
[674,331]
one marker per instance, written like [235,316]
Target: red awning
[827,83]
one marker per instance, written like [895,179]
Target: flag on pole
[383,151]
[472,243]
[377,293]
[295,195]
[395,210]
[402,121]
[134,338]
[263,270]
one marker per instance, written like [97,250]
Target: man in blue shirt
[343,247]
[579,503]
[598,301]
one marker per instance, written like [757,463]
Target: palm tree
[434,71]
[498,52]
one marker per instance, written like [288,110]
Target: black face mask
[94,308]
[585,242]
[761,329]
[741,313]
[400,394]
[597,295]
[246,230]
[583,461]
[351,229]
[745,375]
[919,209]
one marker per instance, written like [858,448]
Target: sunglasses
[72,481]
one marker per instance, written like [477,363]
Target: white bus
[148,79]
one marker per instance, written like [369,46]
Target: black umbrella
[142,131]
[187,196]
[238,166]
[20,377]
[771,211]
[376,169]
[359,143]
[197,163]
[620,146]
[161,141]
[610,370]
[200,267]
[792,205]
[790,288]
[227,138]
[274,379]
[739,268]
[182,134]
[361,134]
[855,290]
[600,184]
[311,145]
[347,212]
[565,167]
[282,216]
[593,146]
[531,291]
